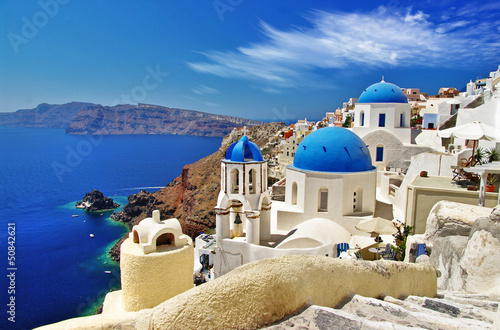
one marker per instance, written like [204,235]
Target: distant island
[88,118]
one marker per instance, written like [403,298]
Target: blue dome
[333,149]
[243,151]
[383,92]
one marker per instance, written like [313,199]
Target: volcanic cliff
[152,119]
[192,196]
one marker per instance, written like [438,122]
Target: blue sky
[279,60]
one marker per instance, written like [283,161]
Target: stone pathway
[450,310]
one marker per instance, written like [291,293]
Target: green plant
[416,120]
[493,154]
[492,179]
[400,237]
[347,122]
[479,156]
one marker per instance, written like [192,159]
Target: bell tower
[243,206]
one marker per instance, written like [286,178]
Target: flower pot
[490,188]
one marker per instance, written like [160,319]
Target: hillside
[44,115]
[192,196]
[152,119]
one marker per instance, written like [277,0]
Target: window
[294,193]
[362,118]
[323,200]
[402,120]
[381,120]
[357,205]
[380,153]
[235,181]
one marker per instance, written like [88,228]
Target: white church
[330,188]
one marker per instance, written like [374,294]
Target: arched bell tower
[243,206]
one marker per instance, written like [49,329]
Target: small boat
[107,271]
[102,213]
[75,215]
[91,235]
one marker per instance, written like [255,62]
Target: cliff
[152,119]
[192,196]
[44,115]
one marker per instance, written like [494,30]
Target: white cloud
[204,90]
[335,40]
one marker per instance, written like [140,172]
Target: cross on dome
[245,130]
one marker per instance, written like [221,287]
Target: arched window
[294,193]
[362,123]
[380,153]
[402,120]
[235,181]
[136,237]
[323,200]
[252,181]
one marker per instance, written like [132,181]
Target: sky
[274,60]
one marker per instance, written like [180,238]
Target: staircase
[450,310]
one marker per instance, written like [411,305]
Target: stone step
[488,305]
[417,308]
[325,318]
[455,309]
[379,310]
[475,296]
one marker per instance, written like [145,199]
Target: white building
[330,188]
[382,120]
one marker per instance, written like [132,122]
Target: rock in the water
[96,201]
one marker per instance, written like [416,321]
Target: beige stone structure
[265,291]
[156,263]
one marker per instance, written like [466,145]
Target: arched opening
[362,122]
[380,153]
[294,193]
[165,239]
[357,204]
[402,120]
[252,181]
[136,236]
[235,181]
[323,200]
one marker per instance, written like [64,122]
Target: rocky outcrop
[192,196]
[95,201]
[152,119]
[465,245]
[44,115]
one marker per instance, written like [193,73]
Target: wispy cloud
[335,40]
[207,103]
[204,90]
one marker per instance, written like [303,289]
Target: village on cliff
[384,214]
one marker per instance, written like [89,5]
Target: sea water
[59,271]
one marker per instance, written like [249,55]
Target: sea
[52,269]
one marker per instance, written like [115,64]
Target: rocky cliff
[95,201]
[44,115]
[192,196]
[153,119]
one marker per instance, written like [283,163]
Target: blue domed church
[332,177]
[382,120]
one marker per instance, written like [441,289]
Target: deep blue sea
[59,269]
